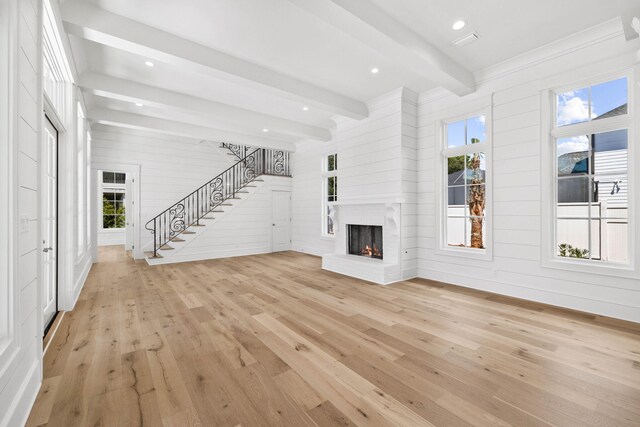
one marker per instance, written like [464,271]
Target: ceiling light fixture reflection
[149,64]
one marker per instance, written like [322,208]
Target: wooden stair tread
[177,240]
[188,232]
[166,247]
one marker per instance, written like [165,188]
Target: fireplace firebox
[365,240]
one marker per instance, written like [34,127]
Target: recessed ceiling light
[149,63]
[305,108]
[458,25]
[265,130]
[375,70]
[138,104]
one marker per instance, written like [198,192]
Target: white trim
[442,152]
[600,33]
[325,174]
[548,136]
[134,170]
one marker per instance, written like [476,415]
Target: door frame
[42,209]
[273,220]
[96,202]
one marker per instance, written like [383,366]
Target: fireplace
[365,240]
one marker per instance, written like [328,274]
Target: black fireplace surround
[365,240]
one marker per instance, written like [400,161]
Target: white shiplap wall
[21,369]
[376,164]
[171,167]
[516,268]
[306,197]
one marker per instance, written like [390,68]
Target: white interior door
[129,218]
[281,221]
[50,222]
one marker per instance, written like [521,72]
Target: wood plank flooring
[274,340]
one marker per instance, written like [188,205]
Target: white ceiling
[333,52]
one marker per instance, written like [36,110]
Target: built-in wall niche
[365,240]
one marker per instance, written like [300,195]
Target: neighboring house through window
[330,192]
[590,142]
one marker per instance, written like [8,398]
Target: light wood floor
[274,340]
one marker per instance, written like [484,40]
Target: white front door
[281,221]
[49,222]
[128,211]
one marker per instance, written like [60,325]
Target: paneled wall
[517,267]
[21,369]
[376,164]
[171,167]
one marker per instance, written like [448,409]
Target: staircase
[215,196]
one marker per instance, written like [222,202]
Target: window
[590,142]
[465,190]
[113,200]
[81,182]
[330,192]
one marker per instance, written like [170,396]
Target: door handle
[47,249]
[273,225]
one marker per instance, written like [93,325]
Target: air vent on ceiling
[463,41]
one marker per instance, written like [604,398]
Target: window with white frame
[113,200]
[464,159]
[330,192]
[590,145]
[81,182]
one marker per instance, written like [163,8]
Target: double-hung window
[330,192]
[590,140]
[464,186]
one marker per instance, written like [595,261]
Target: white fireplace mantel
[370,212]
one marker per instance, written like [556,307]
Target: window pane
[108,221]
[574,190]
[120,178]
[476,130]
[475,233]
[332,188]
[573,155]
[331,162]
[456,134]
[572,107]
[329,222]
[476,197]
[476,168]
[609,99]
[456,167]
[573,238]
[615,241]
[120,221]
[456,232]
[108,177]
[456,196]
[610,152]
[611,191]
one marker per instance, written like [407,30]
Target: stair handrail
[189,210]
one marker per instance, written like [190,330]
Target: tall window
[330,192]
[465,173]
[81,182]
[590,142]
[113,200]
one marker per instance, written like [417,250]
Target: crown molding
[597,34]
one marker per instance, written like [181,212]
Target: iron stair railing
[188,212]
[239,151]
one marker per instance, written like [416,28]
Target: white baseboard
[18,413]
[573,302]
